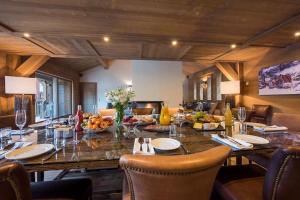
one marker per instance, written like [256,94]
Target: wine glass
[20,121]
[48,113]
[242,118]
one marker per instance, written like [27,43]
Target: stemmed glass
[48,113]
[242,118]
[21,121]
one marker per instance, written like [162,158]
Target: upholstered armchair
[261,114]
[245,182]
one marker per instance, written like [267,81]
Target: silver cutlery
[230,139]
[51,154]
[147,142]
[141,141]
[186,151]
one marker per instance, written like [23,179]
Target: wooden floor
[107,184]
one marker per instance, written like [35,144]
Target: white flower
[119,96]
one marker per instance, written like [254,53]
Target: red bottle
[79,119]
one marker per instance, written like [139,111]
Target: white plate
[165,144]
[251,139]
[29,151]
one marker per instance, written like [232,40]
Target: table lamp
[230,88]
[20,86]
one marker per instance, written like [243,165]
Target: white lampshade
[230,87]
[20,85]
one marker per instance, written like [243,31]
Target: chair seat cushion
[239,182]
[243,189]
[80,189]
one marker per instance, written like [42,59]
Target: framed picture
[280,79]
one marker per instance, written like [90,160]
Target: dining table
[103,150]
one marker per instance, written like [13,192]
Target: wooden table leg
[238,160]
[40,176]
[32,176]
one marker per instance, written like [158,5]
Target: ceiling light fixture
[106,39]
[297,34]
[174,42]
[233,46]
[26,35]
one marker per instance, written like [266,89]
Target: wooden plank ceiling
[71,32]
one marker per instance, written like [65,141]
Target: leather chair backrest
[14,182]
[142,111]
[283,176]
[291,121]
[261,114]
[261,110]
[173,177]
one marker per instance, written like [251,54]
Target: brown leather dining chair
[172,177]
[15,185]
[247,182]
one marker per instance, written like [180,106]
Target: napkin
[136,148]
[270,128]
[235,146]
[17,132]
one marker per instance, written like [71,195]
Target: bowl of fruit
[96,124]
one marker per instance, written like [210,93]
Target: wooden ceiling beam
[228,71]
[2,60]
[137,38]
[265,32]
[11,32]
[13,61]
[32,64]
[98,55]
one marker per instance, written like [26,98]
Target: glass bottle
[79,119]
[228,115]
[228,119]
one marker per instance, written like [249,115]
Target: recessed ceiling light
[297,34]
[233,46]
[106,39]
[174,42]
[26,35]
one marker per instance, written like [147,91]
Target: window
[54,97]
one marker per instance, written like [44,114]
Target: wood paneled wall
[280,103]
[9,66]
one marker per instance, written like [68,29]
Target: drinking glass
[21,121]
[5,137]
[242,118]
[48,113]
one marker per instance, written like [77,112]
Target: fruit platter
[202,117]
[96,123]
[138,120]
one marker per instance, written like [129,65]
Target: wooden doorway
[88,96]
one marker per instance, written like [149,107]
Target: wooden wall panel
[280,103]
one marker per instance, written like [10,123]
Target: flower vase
[119,116]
